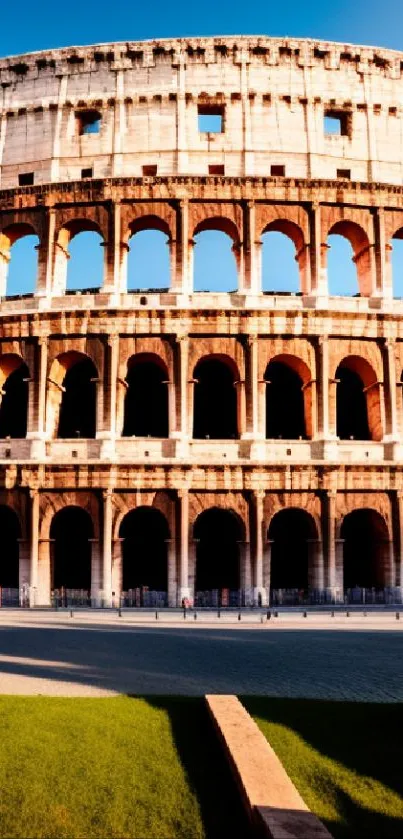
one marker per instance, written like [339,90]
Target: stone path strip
[274,803]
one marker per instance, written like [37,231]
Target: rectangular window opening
[210,119]
[336,123]
[277,171]
[26,179]
[216,169]
[88,122]
[344,174]
[149,171]
[87,173]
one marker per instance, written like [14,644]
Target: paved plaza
[91,654]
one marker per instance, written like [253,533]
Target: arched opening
[80,257]
[14,375]
[77,417]
[85,268]
[281,242]
[287,400]
[144,532]
[358,415]
[366,552]
[148,258]
[215,256]
[218,574]
[396,250]
[348,260]
[21,243]
[146,398]
[9,562]
[71,531]
[215,400]
[290,532]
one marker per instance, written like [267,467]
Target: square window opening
[210,119]
[336,124]
[277,171]
[216,169]
[26,179]
[88,122]
[87,173]
[149,171]
[344,174]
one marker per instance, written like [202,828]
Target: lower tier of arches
[166,547]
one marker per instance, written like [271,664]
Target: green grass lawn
[116,767]
[345,758]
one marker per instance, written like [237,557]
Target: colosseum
[164,443]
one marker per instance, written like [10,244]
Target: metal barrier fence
[143,597]
[69,597]
[357,595]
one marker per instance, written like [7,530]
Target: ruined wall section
[273,93]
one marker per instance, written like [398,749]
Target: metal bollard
[71,613]
[239,616]
[219,613]
[398,616]
[304,615]
[332,614]
[268,615]
[347,614]
[195,616]
[276,614]
[119,612]
[156,615]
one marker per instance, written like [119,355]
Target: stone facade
[272,96]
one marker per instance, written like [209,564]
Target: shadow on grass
[206,767]
[365,738]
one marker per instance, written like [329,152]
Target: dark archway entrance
[10,532]
[78,405]
[285,411]
[14,404]
[146,399]
[71,530]
[218,573]
[289,532]
[352,414]
[215,401]
[145,557]
[366,553]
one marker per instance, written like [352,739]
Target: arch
[144,532]
[10,530]
[358,403]
[71,530]
[294,536]
[366,549]
[19,245]
[288,398]
[80,256]
[14,375]
[218,568]
[215,413]
[148,256]
[356,278]
[216,255]
[146,397]
[71,408]
[282,250]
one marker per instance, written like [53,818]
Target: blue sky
[31,27]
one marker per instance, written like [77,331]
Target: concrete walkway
[99,654]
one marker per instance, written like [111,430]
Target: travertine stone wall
[273,95]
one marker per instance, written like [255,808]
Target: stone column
[181,134]
[182,429]
[329,508]
[117,571]
[5,258]
[107,547]
[319,283]
[339,551]
[316,576]
[241,407]
[109,431]
[249,275]
[384,279]
[390,392]
[38,394]
[113,253]
[62,96]
[172,431]
[245,564]
[259,592]
[44,284]
[172,577]
[184,589]
[267,566]
[183,276]
[33,576]
[252,387]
